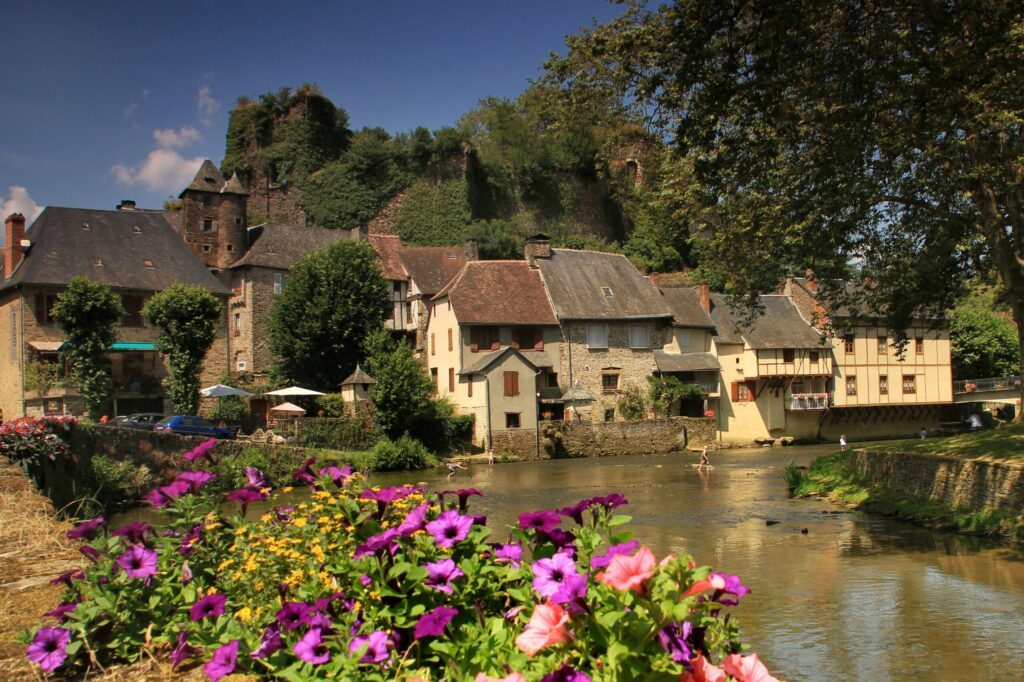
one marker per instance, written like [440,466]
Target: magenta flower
[605,559]
[385,496]
[182,651]
[201,450]
[255,478]
[304,474]
[270,642]
[63,610]
[464,495]
[449,528]
[294,614]
[190,539]
[672,639]
[135,532]
[68,577]
[311,648]
[377,543]
[566,674]
[377,644]
[441,574]
[563,540]
[138,562]
[195,480]
[508,554]
[86,530]
[338,476]
[576,511]
[543,521]
[223,661]
[732,586]
[90,553]
[415,520]
[243,496]
[208,607]
[433,623]
[558,580]
[609,502]
[49,648]
[157,498]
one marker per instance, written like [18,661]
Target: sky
[115,100]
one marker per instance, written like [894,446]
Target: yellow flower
[287,489]
[224,564]
[211,590]
[299,522]
[244,614]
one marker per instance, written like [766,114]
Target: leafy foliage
[401,396]
[983,344]
[186,316]
[41,376]
[318,325]
[88,313]
[119,482]
[665,390]
[434,214]
[405,453]
[332,404]
[633,402]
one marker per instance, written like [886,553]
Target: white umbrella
[288,408]
[222,391]
[293,390]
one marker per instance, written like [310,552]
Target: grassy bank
[832,478]
[1002,444]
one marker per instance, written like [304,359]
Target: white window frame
[634,330]
[278,282]
[597,335]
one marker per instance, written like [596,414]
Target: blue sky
[115,100]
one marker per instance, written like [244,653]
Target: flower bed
[383,584]
[32,442]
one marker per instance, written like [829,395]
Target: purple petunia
[269,643]
[566,674]
[415,520]
[49,648]
[672,639]
[338,476]
[201,450]
[157,499]
[543,521]
[138,562]
[563,540]
[293,615]
[605,559]
[90,553]
[304,474]
[208,607]
[63,610]
[190,539]
[135,532]
[441,574]
[463,495]
[610,501]
[558,579]
[86,530]
[244,496]
[575,511]
[182,651]
[254,478]
[509,554]
[449,528]
[195,480]
[311,648]
[732,586]
[378,543]
[68,577]
[223,661]
[377,644]
[433,623]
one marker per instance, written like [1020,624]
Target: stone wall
[589,439]
[955,483]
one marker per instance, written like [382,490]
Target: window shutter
[474,339]
[508,383]
[469,387]
[515,383]
[735,391]
[451,379]
[450,347]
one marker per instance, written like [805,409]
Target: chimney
[126,205]
[470,250]
[14,232]
[704,291]
[537,246]
[812,284]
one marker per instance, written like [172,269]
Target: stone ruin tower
[212,219]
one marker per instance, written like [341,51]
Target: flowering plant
[380,584]
[29,441]
[710,414]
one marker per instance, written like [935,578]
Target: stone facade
[973,485]
[275,204]
[214,225]
[253,293]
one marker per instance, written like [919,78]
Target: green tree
[318,325]
[401,396]
[88,312]
[186,316]
[982,344]
[835,132]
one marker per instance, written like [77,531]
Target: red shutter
[469,386]
[451,379]
[735,391]
[508,383]
[474,339]
[515,383]
[450,348]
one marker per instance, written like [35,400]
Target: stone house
[688,355]
[493,348]
[138,253]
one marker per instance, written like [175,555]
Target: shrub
[633,403]
[119,482]
[793,477]
[405,453]
[337,434]
[332,404]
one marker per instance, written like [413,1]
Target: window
[433,377]
[391,311]
[229,247]
[451,347]
[238,324]
[451,379]
[597,336]
[511,384]
[553,380]
[788,355]
[148,263]
[527,338]
[238,221]
[639,336]
[396,286]
[433,344]
[206,200]
[278,282]
[909,384]
[206,248]
[919,346]
[132,311]
[743,391]
[207,224]
[685,338]
[883,384]
[610,382]
[848,343]
[408,311]
[512,420]
[607,291]
[883,344]
[44,308]
[53,407]
[851,385]
[469,387]
[483,338]
[97,261]
[609,414]
[815,356]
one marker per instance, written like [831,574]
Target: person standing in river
[842,442]
[704,461]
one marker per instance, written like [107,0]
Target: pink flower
[715,581]
[513,677]
[703,671]
[747,668]
[629,572]
[546,627]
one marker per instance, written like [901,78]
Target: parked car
[188,425]
[142,421]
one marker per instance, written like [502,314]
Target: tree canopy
[401,396]
[330,301]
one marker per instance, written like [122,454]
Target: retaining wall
[600,439]
[956,483]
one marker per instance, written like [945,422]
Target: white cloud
[170,139]
[208,106]
[164,170]
[20,202]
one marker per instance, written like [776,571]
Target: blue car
[188,425]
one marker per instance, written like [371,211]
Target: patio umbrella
[293,390]
[289,409]
[222,391]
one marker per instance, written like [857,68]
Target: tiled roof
[358,377]
[280,246]
[431,267]
[685,362]
[485,361]
[779,326]
[389,250]
[591,285]
[136,250]
[686,308]
[499,292]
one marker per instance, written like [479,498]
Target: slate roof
[431,267]
[576,281]
[499,292]
[780,325]
[485,361]
[686,308]
[63,248]
[207,179]
[389,250]
[280,246]
[686,362]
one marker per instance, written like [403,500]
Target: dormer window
[207,179]
[86,226]
[147,262]
[607,291]
[136,229]
[97,261]
[451,255]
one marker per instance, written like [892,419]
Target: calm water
[855,598]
